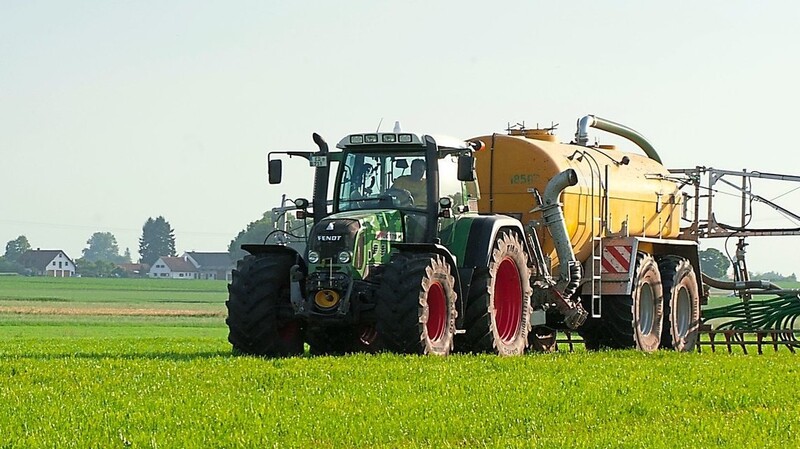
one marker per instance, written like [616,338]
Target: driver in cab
[414,183]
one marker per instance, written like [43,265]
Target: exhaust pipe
[582,134]
[321,177]
[569,268]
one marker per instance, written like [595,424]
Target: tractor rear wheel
[635,320]
[498,311]
[681,304]
[260,319]
[416,311]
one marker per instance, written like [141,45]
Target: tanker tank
[618,193]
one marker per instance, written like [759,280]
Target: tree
[16,248]
[158,239]
[103,247]
[255,232]
[95,269]
[263,231]
[714,263]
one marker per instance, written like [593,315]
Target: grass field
[152,380]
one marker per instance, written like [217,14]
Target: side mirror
[466,168]
[301,203]
[275,169]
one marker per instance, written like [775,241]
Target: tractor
[401,262]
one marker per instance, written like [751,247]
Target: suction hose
[582,134]
[553,215]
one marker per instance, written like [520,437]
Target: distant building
[134,269]
[172,267]
[211,265]
[48,262]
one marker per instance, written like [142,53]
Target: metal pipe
[582,134]
[554,220]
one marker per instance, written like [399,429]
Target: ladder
[597,266]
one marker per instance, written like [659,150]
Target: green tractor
[402,263]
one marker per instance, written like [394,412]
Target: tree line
[102,257]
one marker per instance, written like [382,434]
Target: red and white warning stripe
[617,258]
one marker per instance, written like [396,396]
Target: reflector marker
[617,258]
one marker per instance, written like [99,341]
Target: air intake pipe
[582,134]
[553,215]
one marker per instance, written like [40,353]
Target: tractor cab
[417,176]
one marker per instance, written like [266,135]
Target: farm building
[211,265]
[172,267]
[193,265]
[48,262]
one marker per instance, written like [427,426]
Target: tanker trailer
[604,229]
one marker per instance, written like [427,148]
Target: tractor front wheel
[260,319]
[416,312]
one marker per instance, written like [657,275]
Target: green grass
[94,290]
[148,381]
[189,392]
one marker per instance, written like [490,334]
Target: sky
[116,111]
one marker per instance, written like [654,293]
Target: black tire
[416,312]
[681,304]
[543,339]
[498,311]
[341,340]
[636,320]
[592,333]
[260,317]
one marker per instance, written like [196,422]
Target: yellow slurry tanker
[603,228]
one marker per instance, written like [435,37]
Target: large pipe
[321,176]
[582,134]
[554,220]
[739,285]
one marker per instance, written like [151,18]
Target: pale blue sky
[112,112]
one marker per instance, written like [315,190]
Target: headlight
[344,257]
[313,256]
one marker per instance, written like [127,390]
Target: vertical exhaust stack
[584,123]
[569,267]
[321,177]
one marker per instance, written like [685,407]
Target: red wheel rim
[437,312]
[507,300]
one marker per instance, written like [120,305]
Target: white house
[172,267]
[48,262]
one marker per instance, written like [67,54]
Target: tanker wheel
[416,309]
[593,330]
[498,311]
[635,321]
[260,319]
[681,304]
[341,340]
[543,339]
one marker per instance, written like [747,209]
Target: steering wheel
[400,197]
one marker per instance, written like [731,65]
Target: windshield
[383,180]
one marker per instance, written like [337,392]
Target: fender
[258,249]
[482,232]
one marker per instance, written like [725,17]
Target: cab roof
[365,140]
